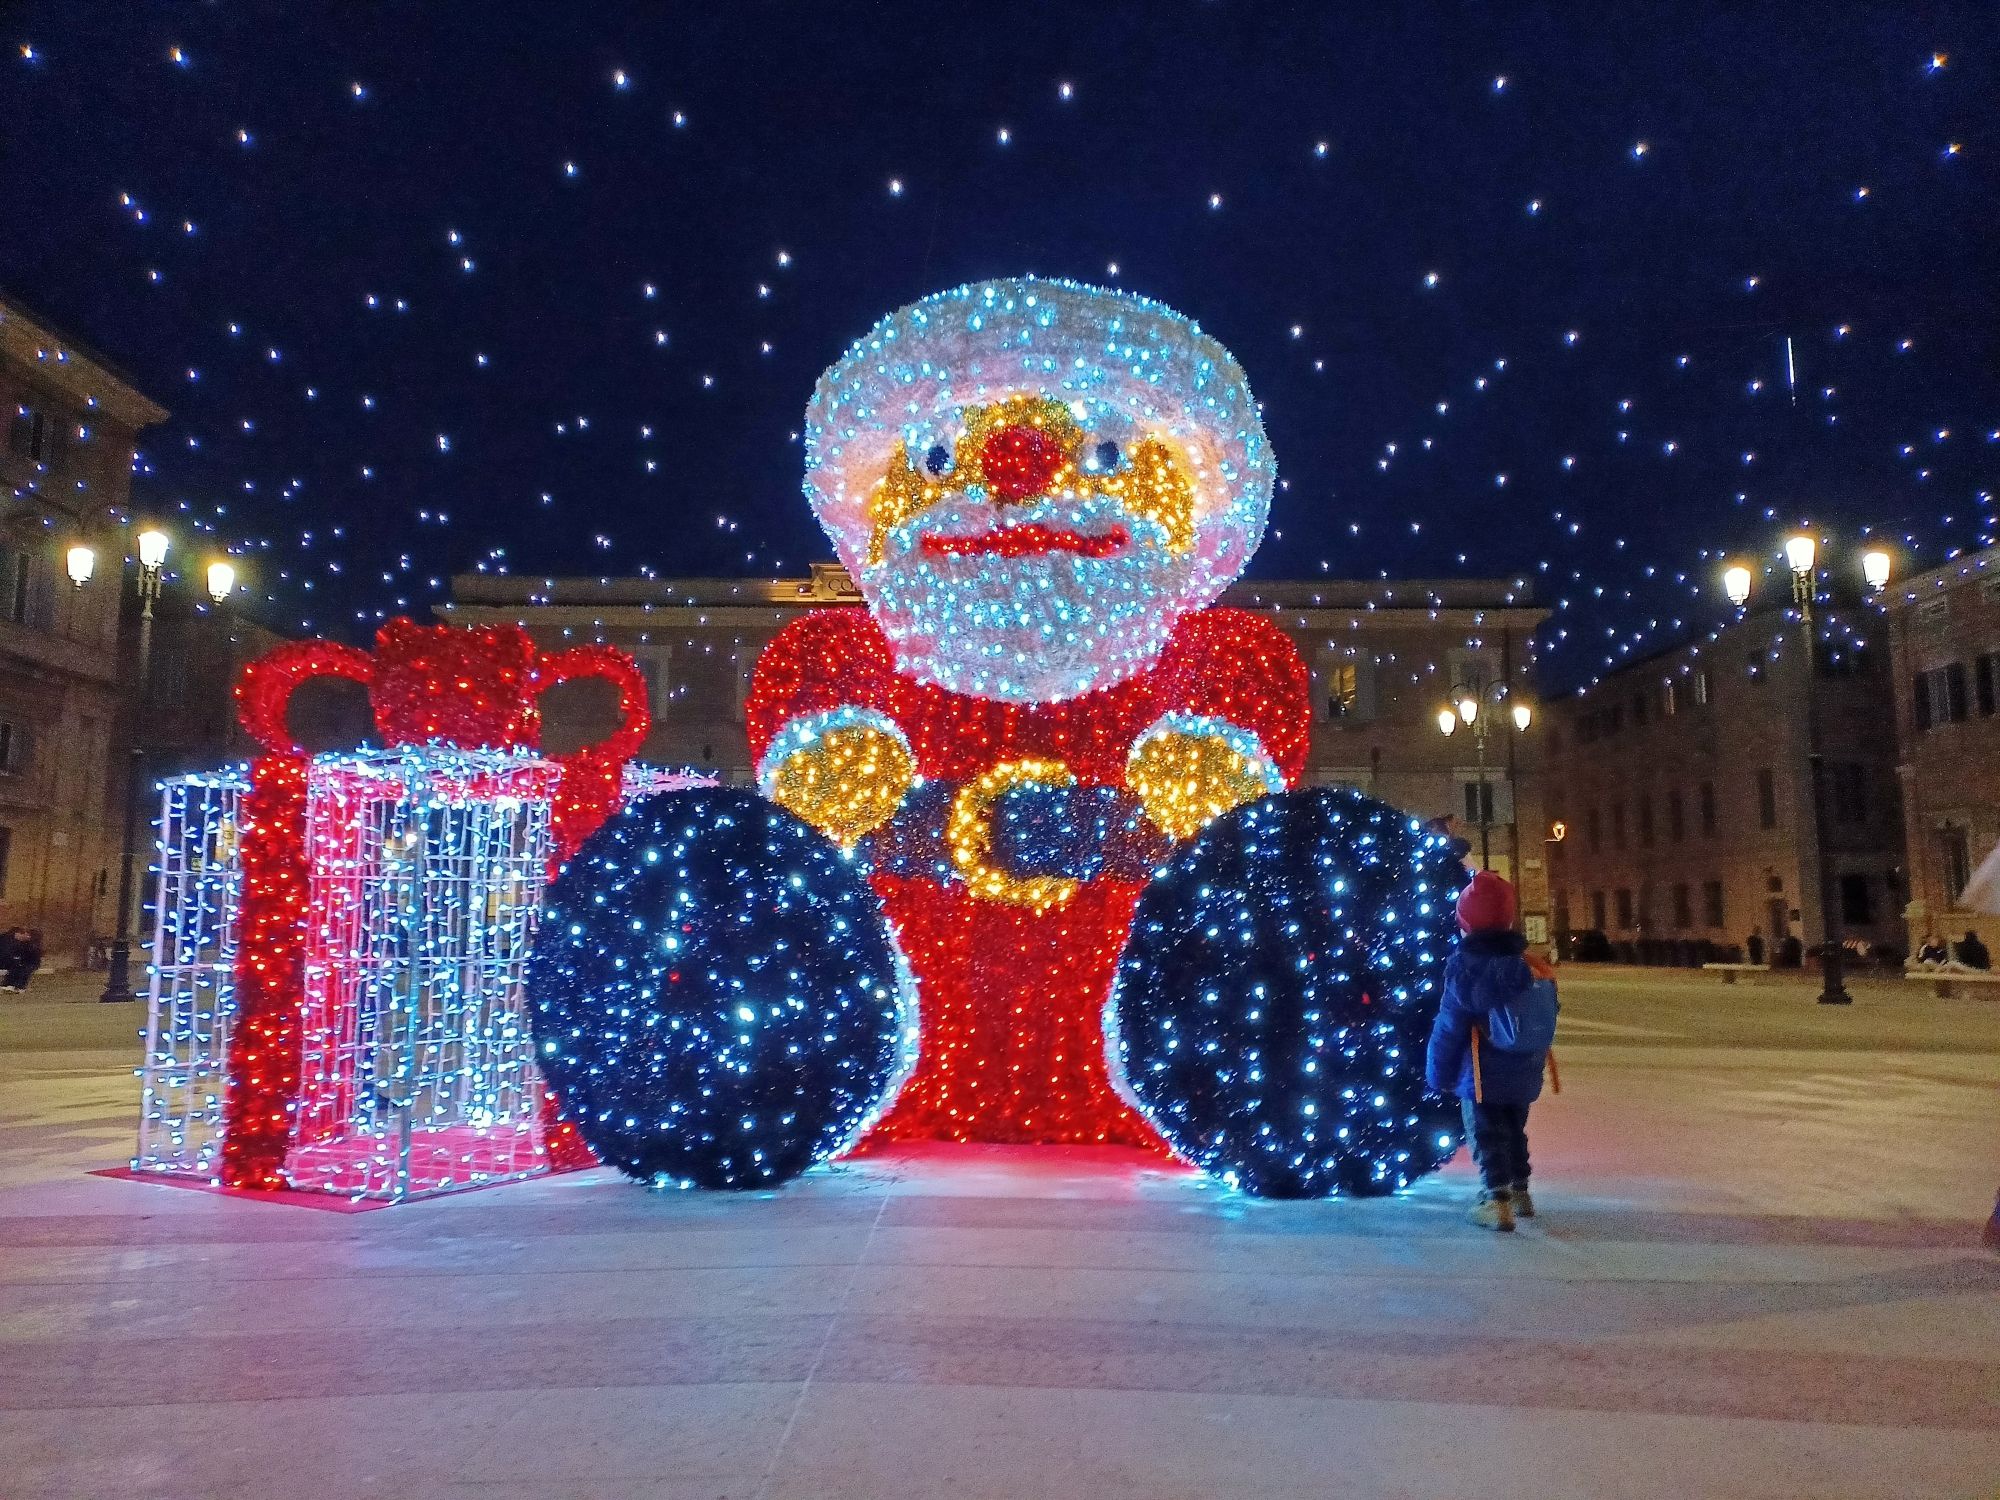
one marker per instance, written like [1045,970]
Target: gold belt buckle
[968,834]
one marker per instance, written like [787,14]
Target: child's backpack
[1525,1023]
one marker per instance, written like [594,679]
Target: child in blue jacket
[1489,969]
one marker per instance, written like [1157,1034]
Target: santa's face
[1033,481]
[1031,549]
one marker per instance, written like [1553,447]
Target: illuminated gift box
[425,873]
[199,889]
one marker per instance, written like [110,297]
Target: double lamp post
[1802,561]
[1469,705]
[81,564]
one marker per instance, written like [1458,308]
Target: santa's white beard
[1033,629]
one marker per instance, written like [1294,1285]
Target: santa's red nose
[1019,462]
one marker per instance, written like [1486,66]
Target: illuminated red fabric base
[323,1202]
[1013,1040]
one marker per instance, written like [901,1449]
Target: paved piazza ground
[1757,1274]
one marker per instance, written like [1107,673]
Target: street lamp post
[1468,706]
[1801,560]
[152,560]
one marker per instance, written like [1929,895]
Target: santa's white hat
[1128,366]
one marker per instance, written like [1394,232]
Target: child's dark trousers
[1498,1135]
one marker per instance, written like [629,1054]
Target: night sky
[547,287]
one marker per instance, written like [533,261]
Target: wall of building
[1945,644]
[1683,783]
[1383,658]
[67,430]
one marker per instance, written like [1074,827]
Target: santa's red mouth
[1030,540]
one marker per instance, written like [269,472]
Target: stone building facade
[1944,634]
[1384,658]
[1685,793]
[65,475]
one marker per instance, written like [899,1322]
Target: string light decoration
[1098,414]
[1038,486]
[417,1075]
[1617,438]
[1271,1010]
[198,889]
[434,690]
[716,995]
[199,879]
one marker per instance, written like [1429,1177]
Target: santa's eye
[1104,458]
[937,460]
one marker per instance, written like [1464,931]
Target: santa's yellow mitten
[1190,768]
[844,771]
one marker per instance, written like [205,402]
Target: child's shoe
[1493,1211]
[1520,1202]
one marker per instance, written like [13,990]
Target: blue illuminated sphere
[714,993]
[1273,1004]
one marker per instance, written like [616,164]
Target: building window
[1767,798]
[1618,825]
[1983,672]
[1346,687]
[1562,913]
[1593,832]
[1676,816]
[1638,709]
[1488,804]
[1850,792]
[1938,696]
[13,748]
[1597,911]
[1474,668]
[1624,910]
[653,671]
[1857,907]
[1646,822]
[28,435]
[1478,803]
[16,584]
[1683,908]
[1703,686]
[1954,860]
[1708,808]
[1711,902]
[1342,690]
[1669,699]
[6,857]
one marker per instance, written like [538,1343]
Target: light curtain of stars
[1584,298]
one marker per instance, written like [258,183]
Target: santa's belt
[1030,829]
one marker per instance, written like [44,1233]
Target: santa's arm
[1235,714]
[822,735]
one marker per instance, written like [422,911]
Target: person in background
[19,959]
[1972,953]
[1490,1044]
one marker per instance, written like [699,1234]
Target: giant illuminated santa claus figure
[1039,488]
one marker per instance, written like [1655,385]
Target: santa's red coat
[1011,1000]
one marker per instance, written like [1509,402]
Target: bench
[1944,982]
[1730,971]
